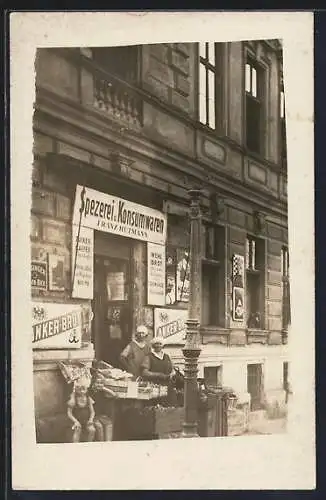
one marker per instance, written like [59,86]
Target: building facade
[120,136]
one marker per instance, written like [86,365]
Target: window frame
[259,98]
[286,297]
[215,265]
[256,272]
[282,124]
[217,70]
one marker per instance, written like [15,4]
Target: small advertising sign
[170,324]
[39,275]
[56,272]
[83,273]
[155,274]
[56,326]
[238,290]
[238,304]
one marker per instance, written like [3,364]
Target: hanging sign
[110,214]
[155,274]
[39,275]
[84,271]
[56,326]
[170,324]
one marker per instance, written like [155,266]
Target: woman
[135,352]
[157,366]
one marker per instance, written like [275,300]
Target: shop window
[254,77]
[213,276]
[177,275]
[255,282]
[286,309]
[210,84]
[213,376]
[119,61]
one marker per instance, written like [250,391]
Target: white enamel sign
[155,274]
[56,326]
[111,214]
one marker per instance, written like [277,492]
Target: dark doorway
[111,305]
[255,385]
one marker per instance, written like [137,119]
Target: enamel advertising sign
[56,326]
[170,324]
[110,214]
[155,274]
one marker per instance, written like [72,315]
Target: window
[177,275]
[213,276]
[213,376]
[286,310]
[255,282]
[254,107]
[282,124]
[120,61]
[210,84]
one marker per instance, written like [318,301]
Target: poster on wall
[238,271]
[39,275]
[103,212]
[83,273]
[56,326]
[238,304]
[155,274]
[170,324]
[56,266]
[238,280]
[183,276]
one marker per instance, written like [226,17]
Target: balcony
[116,99]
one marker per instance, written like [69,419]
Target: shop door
[112,315]
[254,385]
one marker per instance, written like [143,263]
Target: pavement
[267,426]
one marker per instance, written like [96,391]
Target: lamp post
[192,349]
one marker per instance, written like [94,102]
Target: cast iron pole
[191,350]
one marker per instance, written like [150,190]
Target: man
[133,355]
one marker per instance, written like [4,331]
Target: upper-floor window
[282,124]
[119,61]
[210,84]
[254,76]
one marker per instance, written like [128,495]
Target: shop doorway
[111,304]
[255,385]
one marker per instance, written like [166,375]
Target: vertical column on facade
[192,348]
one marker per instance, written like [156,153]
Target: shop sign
[170,324]
[155,274]
[111,214]
[39,275]
[83,273]
[56,326]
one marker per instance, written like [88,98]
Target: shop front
[117,257]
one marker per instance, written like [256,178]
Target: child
[81,412]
